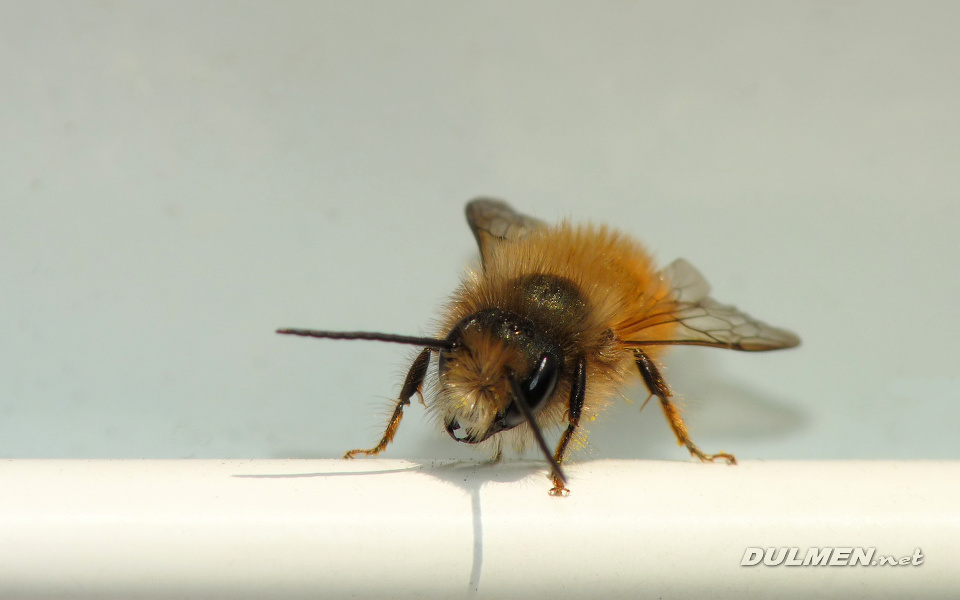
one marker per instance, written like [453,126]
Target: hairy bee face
[489,348]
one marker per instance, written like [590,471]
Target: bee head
[498,372]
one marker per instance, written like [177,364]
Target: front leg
[411,385]
[658,387]
[577,393]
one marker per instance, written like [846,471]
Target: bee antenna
[521,403]
[426,342]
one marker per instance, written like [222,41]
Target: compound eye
[537,389]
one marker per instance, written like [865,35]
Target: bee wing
[684,313]
[494,222]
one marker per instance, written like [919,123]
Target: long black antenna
[521,403]
[426,342]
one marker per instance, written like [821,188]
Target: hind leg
[658,387]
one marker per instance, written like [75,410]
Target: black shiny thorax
[554,303]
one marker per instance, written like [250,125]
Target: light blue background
[177,180]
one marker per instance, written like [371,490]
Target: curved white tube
[389,528]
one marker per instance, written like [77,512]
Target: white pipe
[397,529]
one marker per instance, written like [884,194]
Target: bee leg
[577,393]
[411,386]
[658,387]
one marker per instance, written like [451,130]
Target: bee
[553,323]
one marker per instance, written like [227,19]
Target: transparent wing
[681,312]
[493,222]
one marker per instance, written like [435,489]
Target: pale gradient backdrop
[178,179]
